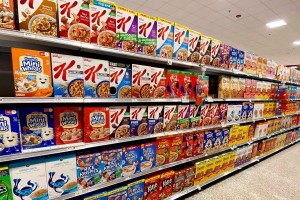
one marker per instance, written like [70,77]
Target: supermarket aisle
[277,177]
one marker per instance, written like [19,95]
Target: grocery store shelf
[294,99]
[242,99]
[17,100]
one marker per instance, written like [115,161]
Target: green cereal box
[5,187]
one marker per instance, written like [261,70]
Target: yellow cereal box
[233,134]
[209,167]
[199,175]
[225,162]
[232,156]
[218,165]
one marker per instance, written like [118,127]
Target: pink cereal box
[158,83]
[141,81]
[248,62]
[194,46]
[181,40]
[215,52]
[205,48]
[254,64]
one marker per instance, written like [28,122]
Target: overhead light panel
[296,42]
[276,24]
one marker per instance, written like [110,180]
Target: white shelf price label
[209,99]
[169,62]
[28,35]
[185,100]
[259,76]
[198,187]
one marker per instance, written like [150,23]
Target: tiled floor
[275,178]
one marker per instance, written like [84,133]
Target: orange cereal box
[7,14]
[175,148]
[32,73]
[162,151]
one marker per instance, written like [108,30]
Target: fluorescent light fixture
[276,24]
[296,42]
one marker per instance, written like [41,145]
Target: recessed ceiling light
[276,24]
[296,42]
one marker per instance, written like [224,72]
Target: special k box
[96,78]
[181,40]
[165,38]
[74,20]
[147,34]
[215,52]
[67,75]
[183,117]
[103,23]
[7,18]
[119,118]
[170,117]
[138,120]
[194,46]
[141,81]
[158,82]
[224,56]
[205,50]
[155,119]
[32,73]
[120,80]
[127,29]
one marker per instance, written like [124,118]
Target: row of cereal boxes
[85,77]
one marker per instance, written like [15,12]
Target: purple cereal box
[233,55]
[147,34]
[241,60]
[155,119]
[138,120]
[224,56]
[225,135]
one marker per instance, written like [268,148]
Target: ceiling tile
[155,5]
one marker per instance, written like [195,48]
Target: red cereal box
[173,84]
[248,89]
[158,82]
[175,148]
[68,125]
[253,88]
[189,176]
[96,123]
[151,190]
[223,112]
[187,144]
[166,184]
[194,82]
[185,83]
[214,113]
[140,81]
[179,178]
[198,142]
[162,151]
[204,110]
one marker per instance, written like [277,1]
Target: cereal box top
[136,189]
[126,20]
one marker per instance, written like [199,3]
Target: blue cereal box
[138,120]
[181,42]
[131,160]
[111,164]
[155,119]
[148,156]
[118,194]
[9,132]
[37,127]
[225,136]
[135,190]
[245,108]
[120,80]
[218,139]
[208,141]
[165,38]
[233,55]
[250,111]
[241,60]
[88,170]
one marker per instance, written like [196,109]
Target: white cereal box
[141,81]
[165,38]
[170,117]
[194,46]
[205,50]
[181,42]
[119,117]
[120,80]
[215,52]
[158,82]
[138,120]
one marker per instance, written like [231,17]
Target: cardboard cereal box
[181,42]
[157,82]
[233,134]
[131,160]
[5,186]
[186,87]
[194,46]
[8,18]
[61,175]
[155,119]
[205,118]
[32,73]
[166,184]
[264,67]
[214,113]
[248,62]
[175,148]
[242,87]
[111,165]
[194,115]
[240,60]
[151,190]
[225,136]
[254,64]
[224,56]
[187,145]
[119,118]
[138,120]
[96,78]
[178,183]
[209,167]
[253,88]
[233,55]
[173,84]
[68,125]
[165,38]
[103,23]
[127,29]
[9,132]
[199,174]
[223,107]
[148,156]
[136,190]
[259,65]
[194,83]
[189,176]
[68,74]
[208,141]
[147,34]
[141,81]
[120,80]
[248,89]
[162,151]
[205,50]
[37,127]
[38,17]
[215,52]
[119,193]
[96,123]
[224,87]
[259,88]
[183,117]
[218,135]
[218,165]
[225,162]
[170,117]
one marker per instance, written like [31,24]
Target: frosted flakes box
[38,17]
[5,183]
[120,80]
[233,55]
[74,20]
[135,190]
[170,117]
[131,156]
[103,23]
[96,78]
[111,164]
[194,46]
[32,73]
[9,132]
[224,56]
[31,175]
[141,81]
[165,38]
[61,175]
[181,40]
[119,118]
[148,156]
[205,50]
[240,60]
[138,120]
[183,117]
[155,119]
[67,75]
[37,127]
[194,115]
[96,123]
[7,19]
[162,151]
[215,52]
[127,29]
[157,82]
[68,125]
[147,34]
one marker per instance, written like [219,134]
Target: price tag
[235,71]
[250,100]
[203,68]
[1,100]
[198,187]
[79,192]
[209,99]
[185,100]
[70,148]
[259,75]
[127,178]
[223,124]
[169,62]
[28,35]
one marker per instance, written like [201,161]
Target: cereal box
[198,142]
[178,182]
[253,88]
[248,89]
[120,80]
[131,160]
[214,113]
[259,88]
[194,115]
[135,190]
[254,64]
[147,34]
[189,176]
[165,38]
[224,87]
[111,164]
[223,107]
[225,132]
[205,115]
[248,62]
[183,117]
[233,134]
[209,167]
[119,117]
[173,84]
[233,55]
[194,83]
[9,132]
[96,78]
[162,151]
[138,120]
[68,125]
[215,52]
[240,60]
[61,175]
[232,156]
[224,56]
[32,73]
[202,87]
[7,19]
[185,84]
[242,87]
[225,162]
[68,74]
[176,144]
[258,110]
[181,42]
[237,112]
[208,141]
[194,46]
[187,145]
[127,29]
[205,50]
[141,81]
[218,135]
[170,117]
[37,127]
[74,20]
[103,23]
[259,65]
[96,123]
[155,119]
[148,156]
[166,184]
[157,82]
[218,165]
[245,108]
[151,190]
[264,67]
[230,113]
[234,92]
[116,194]
[199,174]
[5,186]
[31,176]
[38,17]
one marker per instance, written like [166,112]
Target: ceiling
[218,19]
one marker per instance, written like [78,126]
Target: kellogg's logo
[162,31]
[66,7]
[214,49]
[137,77]
[114,77]
[91,72]
[168,113]
[143,28]
[203,46]
[193,111]
[178,36]
[192,42]
[30,64]
[115,116]
[62,70]
[122,23]
[182,112]
[97,16]
[30,3]
[155,76]
[152,113]
[136,113]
